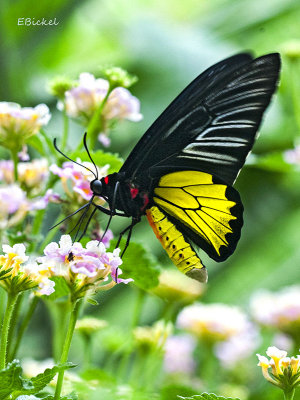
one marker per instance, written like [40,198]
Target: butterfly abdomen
[178,248]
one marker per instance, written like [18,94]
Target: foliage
[166,45]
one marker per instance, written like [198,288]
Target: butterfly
[180,173]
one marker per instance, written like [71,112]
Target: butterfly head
[96,187]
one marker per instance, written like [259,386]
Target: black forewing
[211,125]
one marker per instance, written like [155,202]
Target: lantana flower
[79,178]
[285,371]
[84,269]
[16,275]
[31,174]
[86,96]
[18,123]
[178,356]
[280,310]
[227,328]
[14,204]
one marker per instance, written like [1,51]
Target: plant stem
[49,144]
[289,395]
[14,156]
[140,299]
[87,361]
[66,347]
[24,325]
[11,301]
[13,322]
[95,124]
[65,131]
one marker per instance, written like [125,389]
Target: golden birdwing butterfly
[180,173]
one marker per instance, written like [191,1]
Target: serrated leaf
[101,159]
[71,396]
[140,265]
[207,396]
[10,379]
[12,383]
[61,288]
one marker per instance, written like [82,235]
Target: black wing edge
[232,238]
[202,83]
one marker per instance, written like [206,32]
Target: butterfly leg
[128,228]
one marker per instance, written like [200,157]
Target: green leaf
[101,159]
[207,396]
[61,288]
[139,265]
[12,383]
[37,143]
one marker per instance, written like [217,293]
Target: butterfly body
[181,172]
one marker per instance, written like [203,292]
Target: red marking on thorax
[134,192]
[106,180]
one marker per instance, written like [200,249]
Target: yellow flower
[176,287]
[17,124]
[152,337]
[285,370]
[89,325]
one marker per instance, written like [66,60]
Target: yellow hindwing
[202,205]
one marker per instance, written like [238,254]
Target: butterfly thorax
[130,197]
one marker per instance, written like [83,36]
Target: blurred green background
[167,44]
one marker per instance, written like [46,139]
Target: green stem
[49,143]
[66,347]
[140,299]
[65,131]
[14,156]
[289,395]
[95,124]
[87,360]
[24,325]
[11,301]
[13,322]
[58,312]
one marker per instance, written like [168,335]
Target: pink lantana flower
[83,268]
[79,178]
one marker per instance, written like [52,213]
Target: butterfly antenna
[69,216]
[89,154]
[70,159]
[79,223]
[87,223]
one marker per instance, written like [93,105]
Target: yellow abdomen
[179,250]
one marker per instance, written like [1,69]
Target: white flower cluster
[280,309]
[234,337]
